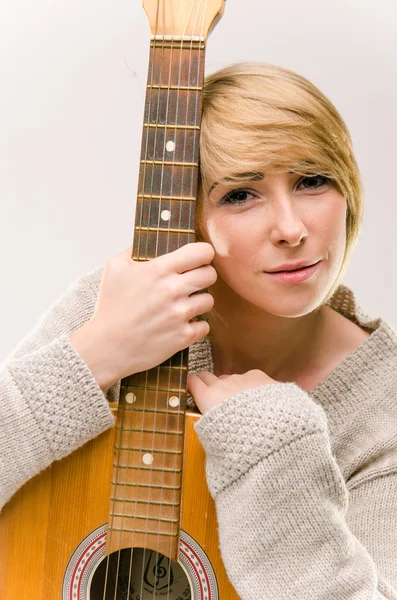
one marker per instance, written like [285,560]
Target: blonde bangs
[258,117]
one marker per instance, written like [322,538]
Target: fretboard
[147,472]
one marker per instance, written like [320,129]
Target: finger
[188,257]
[199,279]
[196,386]
[207,377]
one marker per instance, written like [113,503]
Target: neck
[246,337]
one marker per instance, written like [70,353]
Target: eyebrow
[250,176]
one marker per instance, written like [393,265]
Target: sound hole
[139,574]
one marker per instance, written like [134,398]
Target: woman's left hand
[208,390]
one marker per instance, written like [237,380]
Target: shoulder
[348,334]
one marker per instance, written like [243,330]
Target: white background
[72,77]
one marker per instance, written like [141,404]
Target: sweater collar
[369,360]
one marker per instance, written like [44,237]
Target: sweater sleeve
[288,525]
[50,402]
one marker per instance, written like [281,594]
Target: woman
[296,384]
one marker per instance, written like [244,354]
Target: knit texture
[305,484]
[50,402]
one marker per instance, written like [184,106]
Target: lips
[296,275]
[294,270]
[290,269]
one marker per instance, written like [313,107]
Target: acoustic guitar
[129,515]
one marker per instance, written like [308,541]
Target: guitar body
[47,520]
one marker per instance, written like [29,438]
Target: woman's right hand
[144,309]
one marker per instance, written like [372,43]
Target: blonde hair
[257,117]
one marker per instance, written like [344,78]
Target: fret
[169,163]
[155,487]
[140,430]
[179,358]
[168,498]
[147,532]
[173,107]
[152,419]
[156,388]
[156,476]
[167,462]
[153,384]
[143,495]
[171,367]
[150,440]
[179,68]
[168,180]
[175,88]
[167,508]
[180,367]
[185,143]
[129,484]
[159,230]
[154,410]
[140,449]
[127,455]
[149,485]
[151,503]
[153,197]
[161,126]
[147,518]
[179,215]
[150,243]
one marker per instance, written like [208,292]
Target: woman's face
[278,218]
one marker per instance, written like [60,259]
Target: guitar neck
[167,186]
[151,415]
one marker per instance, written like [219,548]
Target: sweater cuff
[64,398]
[252,425]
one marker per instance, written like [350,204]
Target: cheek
[334,225]
[218,239]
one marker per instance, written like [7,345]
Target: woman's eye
[238,197]
[321,179]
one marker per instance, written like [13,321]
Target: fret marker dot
[165,215]
[170,145]
[130,398]
[173,401]
[147,459]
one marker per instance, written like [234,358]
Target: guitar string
[176,149]
[165,132]
[154,61]
[116,473]
[180,213]
[158,370]
[159,96]
[148,104]
[192,178]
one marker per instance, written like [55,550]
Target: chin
[290,307]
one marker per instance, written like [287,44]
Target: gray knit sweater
[305,484]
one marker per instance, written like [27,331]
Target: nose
[288,228]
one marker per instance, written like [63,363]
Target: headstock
[183,18]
